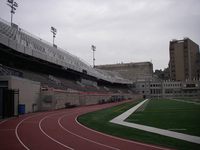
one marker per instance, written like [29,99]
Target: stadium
[55,77]
[52,99]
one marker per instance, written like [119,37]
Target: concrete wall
[51,100]
[29,91]
[37,100]
[131,71]
[90,99]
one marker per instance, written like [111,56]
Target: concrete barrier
[57,99]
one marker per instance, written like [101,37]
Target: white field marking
[141,109]
[120,120]
[118,138]
[177,129]
[82,136]
[185,101]
[50,136]
[127,113]
[16,130]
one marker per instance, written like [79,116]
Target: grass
[169,114]
[99,120]
[189,99]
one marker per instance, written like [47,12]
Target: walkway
[120,120]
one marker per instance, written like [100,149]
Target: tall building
[131,71]
[183,59]
[198,66]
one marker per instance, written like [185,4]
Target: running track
[57,130]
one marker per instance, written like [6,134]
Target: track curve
[61,130]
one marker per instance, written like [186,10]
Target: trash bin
[21,109]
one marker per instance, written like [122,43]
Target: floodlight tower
[13,5]
[93,49]
[54,31]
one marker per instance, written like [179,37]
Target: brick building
[183,59]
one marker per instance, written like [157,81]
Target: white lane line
[5,120]
[17,127]
[120,120]
[50,136]
[59,122]
[118,138]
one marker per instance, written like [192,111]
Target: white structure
[169,88]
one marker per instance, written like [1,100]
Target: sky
[123,31]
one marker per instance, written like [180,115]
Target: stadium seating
[41,49]
[8,31]
[9,71]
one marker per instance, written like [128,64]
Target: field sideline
[100,121]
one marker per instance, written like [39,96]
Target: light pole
[13,5]
[54,31]
[93,49]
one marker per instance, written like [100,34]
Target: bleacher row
[8,31]
[50,81]
[27,43]
[9,71]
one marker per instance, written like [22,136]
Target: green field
[169,114]
[196,100]
[99,120]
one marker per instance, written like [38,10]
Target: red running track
[57,130]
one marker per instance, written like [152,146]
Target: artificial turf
[99,120]
[171,115]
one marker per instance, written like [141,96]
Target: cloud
[123,31]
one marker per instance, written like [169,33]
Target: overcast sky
[122,30]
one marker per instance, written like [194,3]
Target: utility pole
[93,49]
[13,5]
[54,31]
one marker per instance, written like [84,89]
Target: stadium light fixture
[54,31]
[13,5]
[93,49]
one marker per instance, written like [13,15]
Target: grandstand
[21,41]
[60,74]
